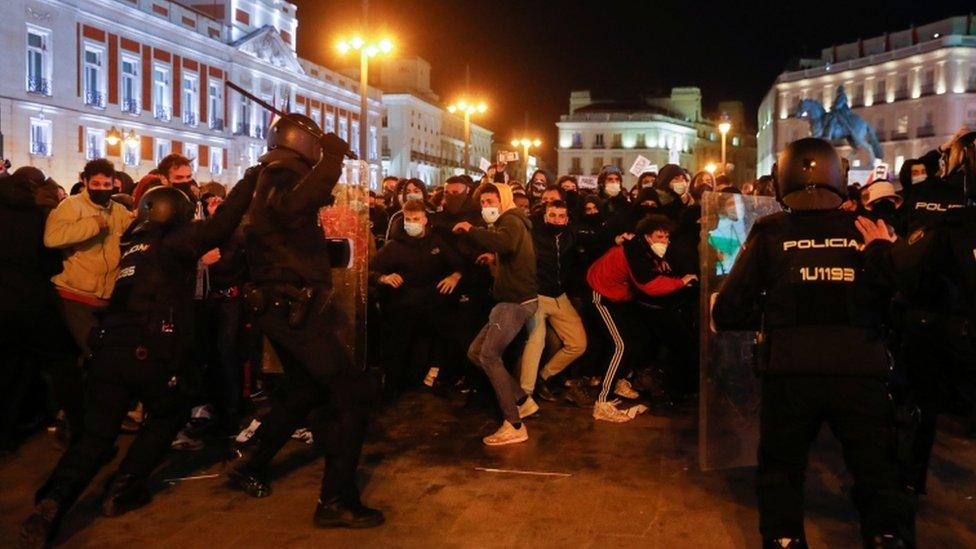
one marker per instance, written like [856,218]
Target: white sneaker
[608,411]
[507,434]
[528,408]
[623,388]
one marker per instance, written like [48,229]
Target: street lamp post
[526,143]
[366,51]
[467,109]
[724,127]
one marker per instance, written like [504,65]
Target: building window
[354,138]
[343,127]
[880,90]
[162,149]
[215,99]
[216,161]
[928,82]
[190,100]
[971,86]
[575,167]
[329,122]
[597,164]
[971,115]
[902,91]
[192,152]
[902,124]
[94,90]
[161,94]
[299,108]
[130,85]
[598,141]
[735,140]
[618,141]
[372,142]
[858,95]
[618,161]
[130,152]
[244,118]
[94,144]
[40,137]
[316,116]
[38,61]
[641,141]
[577,141]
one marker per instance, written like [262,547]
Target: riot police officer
[936,287]
[140,351]
[819,300]
[290,298]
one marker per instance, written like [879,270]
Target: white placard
[881,172]
[484,165]
[587,181]
[653,168]
[506,156]
[640,166]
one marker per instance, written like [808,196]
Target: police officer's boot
[341,512]
[39,528]
[125,493]
[244,476]
[785,543]
[885,541]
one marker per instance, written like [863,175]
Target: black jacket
[422,262]
[556,258]
[26,266]
[476,279]
[283,237]
[820,300]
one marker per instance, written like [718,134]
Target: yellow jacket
[91,254]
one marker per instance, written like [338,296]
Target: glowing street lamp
[724,127]
[366,50]
[525,143]
[467,109]
[710,168]
[113,136]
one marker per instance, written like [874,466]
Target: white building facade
[595,134]
[916,87]
[155,71]
[419,137]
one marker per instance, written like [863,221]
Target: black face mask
[884,209]
[592,219]
[101,197]
[454,203]
[554,229]
[645,210]
[187,189]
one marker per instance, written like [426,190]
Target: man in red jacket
[626,272]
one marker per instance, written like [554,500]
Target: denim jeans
[504,323]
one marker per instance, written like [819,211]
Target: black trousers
[320,383]
[35,341]
[940,360]
[117,377]
[860,415]
[415,336]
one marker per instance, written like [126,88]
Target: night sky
[526,56]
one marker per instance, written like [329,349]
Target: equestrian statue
[840,124]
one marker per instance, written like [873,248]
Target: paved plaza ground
[605,485]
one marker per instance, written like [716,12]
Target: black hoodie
[26,266]
[422,262]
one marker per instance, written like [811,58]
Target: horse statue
[840,123]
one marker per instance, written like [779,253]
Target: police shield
[729,393]
[346,226]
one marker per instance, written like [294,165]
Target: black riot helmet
[166,206]
[296,133]
[810,176]
[960,162]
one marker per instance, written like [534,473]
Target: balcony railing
[40,148]
[927,130]
[190,118]
[39,85]
[243,129]
[599,146]
[95,99]
[899,136]
[131,106]
[217,124]
[162,114]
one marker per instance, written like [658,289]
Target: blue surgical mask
[413,229]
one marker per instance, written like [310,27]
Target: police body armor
[822,312]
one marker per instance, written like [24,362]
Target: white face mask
[490,214]
[680,188]
[916,179]
[659,248]
[612,189]
[413,196]
[413,229]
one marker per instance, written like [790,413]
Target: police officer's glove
[333,146]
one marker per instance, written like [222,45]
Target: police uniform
[290,298]
[935,274]
[139,352]
[820,301]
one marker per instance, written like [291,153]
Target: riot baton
[268,106]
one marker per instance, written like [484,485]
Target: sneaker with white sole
[528,408]
[608,411]
[624,389]
[507,434]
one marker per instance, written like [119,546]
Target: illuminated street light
[366,50]
[113,136]
[525,143]
[710,168]
[467,109]
[130,138]
[724,127]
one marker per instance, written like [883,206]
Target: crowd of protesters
[528,294]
